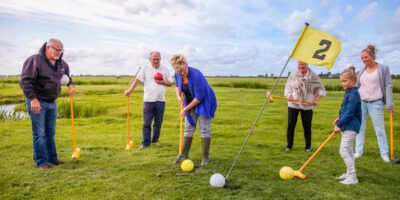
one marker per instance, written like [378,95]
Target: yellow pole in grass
[181,131]
[76,152]
[129,142]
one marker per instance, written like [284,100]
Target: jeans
[43,132]
[346,152]
[152,110]
[205,125]
[376,112]
[306,118]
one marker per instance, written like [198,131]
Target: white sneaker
[385,159]
[342,177]
[357,155]
[349,181]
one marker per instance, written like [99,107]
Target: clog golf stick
[271,99]
[299,173]
[392,160]
[76,152]
[129,144]
[181,135]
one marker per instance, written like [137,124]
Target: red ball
[158,76]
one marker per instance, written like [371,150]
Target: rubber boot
[187,142]
[206,149]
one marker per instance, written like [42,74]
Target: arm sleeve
[68,74]
[200,87]
[388,89]
[28,77]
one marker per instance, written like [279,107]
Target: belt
[373,101]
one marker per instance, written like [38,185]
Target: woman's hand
[183,113]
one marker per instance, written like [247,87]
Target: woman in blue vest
[199,103]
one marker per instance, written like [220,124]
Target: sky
[224,37]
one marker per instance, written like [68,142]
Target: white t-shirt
[370,90]
[152,90]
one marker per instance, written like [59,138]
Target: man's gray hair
[153,52]
[52,41]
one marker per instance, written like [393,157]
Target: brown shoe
[44,166]
[59,162]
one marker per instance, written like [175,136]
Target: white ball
[64,80]
[217,180]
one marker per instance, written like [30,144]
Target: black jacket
[40,79]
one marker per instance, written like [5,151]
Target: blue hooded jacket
[200,90]
[350,111]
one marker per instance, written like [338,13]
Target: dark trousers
[152,110]
[306,118]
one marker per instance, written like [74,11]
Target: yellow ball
[286,173]
[187,165]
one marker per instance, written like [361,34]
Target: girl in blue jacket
[349,123]
[199,103]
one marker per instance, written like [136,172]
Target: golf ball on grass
[217,180]
[187,165]
[286,173]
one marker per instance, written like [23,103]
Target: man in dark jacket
[41,83]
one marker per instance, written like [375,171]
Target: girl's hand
[337,129]
[335,121]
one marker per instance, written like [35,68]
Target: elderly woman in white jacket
[304,85]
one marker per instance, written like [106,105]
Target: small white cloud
[293,24]
[348,9]
[368,11]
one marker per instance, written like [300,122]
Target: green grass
[106,171]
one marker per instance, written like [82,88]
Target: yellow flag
[316,48]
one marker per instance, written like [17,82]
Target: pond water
[7,113]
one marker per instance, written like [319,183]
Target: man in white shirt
[154,97]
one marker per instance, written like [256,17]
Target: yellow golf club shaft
[181,131]
[316,152]
[391,137]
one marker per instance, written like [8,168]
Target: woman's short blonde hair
[179,62]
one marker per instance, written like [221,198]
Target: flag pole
[255,122]
[265,103]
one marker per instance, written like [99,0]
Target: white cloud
[368,11]
[349,8]
[293,24]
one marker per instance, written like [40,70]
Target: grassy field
[106,170]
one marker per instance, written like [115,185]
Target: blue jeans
[376,112]
[43,132]
[152,110]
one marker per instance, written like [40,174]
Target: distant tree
[266,75]
[272,75]
[288,74]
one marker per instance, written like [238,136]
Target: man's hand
[162,82]
[71,91]
[35,106]
[127,92]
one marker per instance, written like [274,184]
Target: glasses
[58,50]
